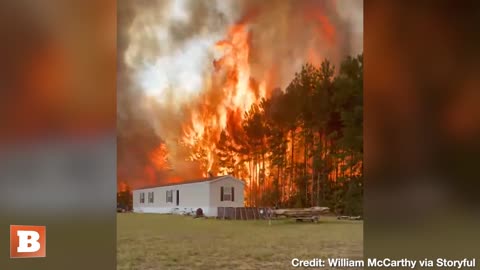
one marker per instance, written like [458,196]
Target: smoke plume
[176,60]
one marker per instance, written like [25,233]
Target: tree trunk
[252,183]
[292,162]
[264,179]
[305,169]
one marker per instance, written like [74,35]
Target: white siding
[205,195]
[192,196]
[215,189]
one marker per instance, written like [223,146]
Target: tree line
[303,146]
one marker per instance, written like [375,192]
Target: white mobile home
[207,193]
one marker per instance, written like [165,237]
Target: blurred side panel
[422,129]
[57,130]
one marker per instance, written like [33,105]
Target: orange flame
[238,90]
[122,186]
[236,83]
[159,157]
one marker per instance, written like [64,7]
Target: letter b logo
[27,241]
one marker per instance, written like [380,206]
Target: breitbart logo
[27,241]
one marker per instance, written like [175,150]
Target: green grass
[153,241]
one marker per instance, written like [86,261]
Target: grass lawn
[153,241]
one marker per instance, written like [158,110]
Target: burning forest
[270,92]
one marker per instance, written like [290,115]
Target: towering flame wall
[190,72]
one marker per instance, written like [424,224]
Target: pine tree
[303,146]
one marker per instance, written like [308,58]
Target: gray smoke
[165,55]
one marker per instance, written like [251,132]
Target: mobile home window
[169,196]
[142,197]
[150,197]
[227,194]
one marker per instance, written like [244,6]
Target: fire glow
[238,92]
[260,52]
